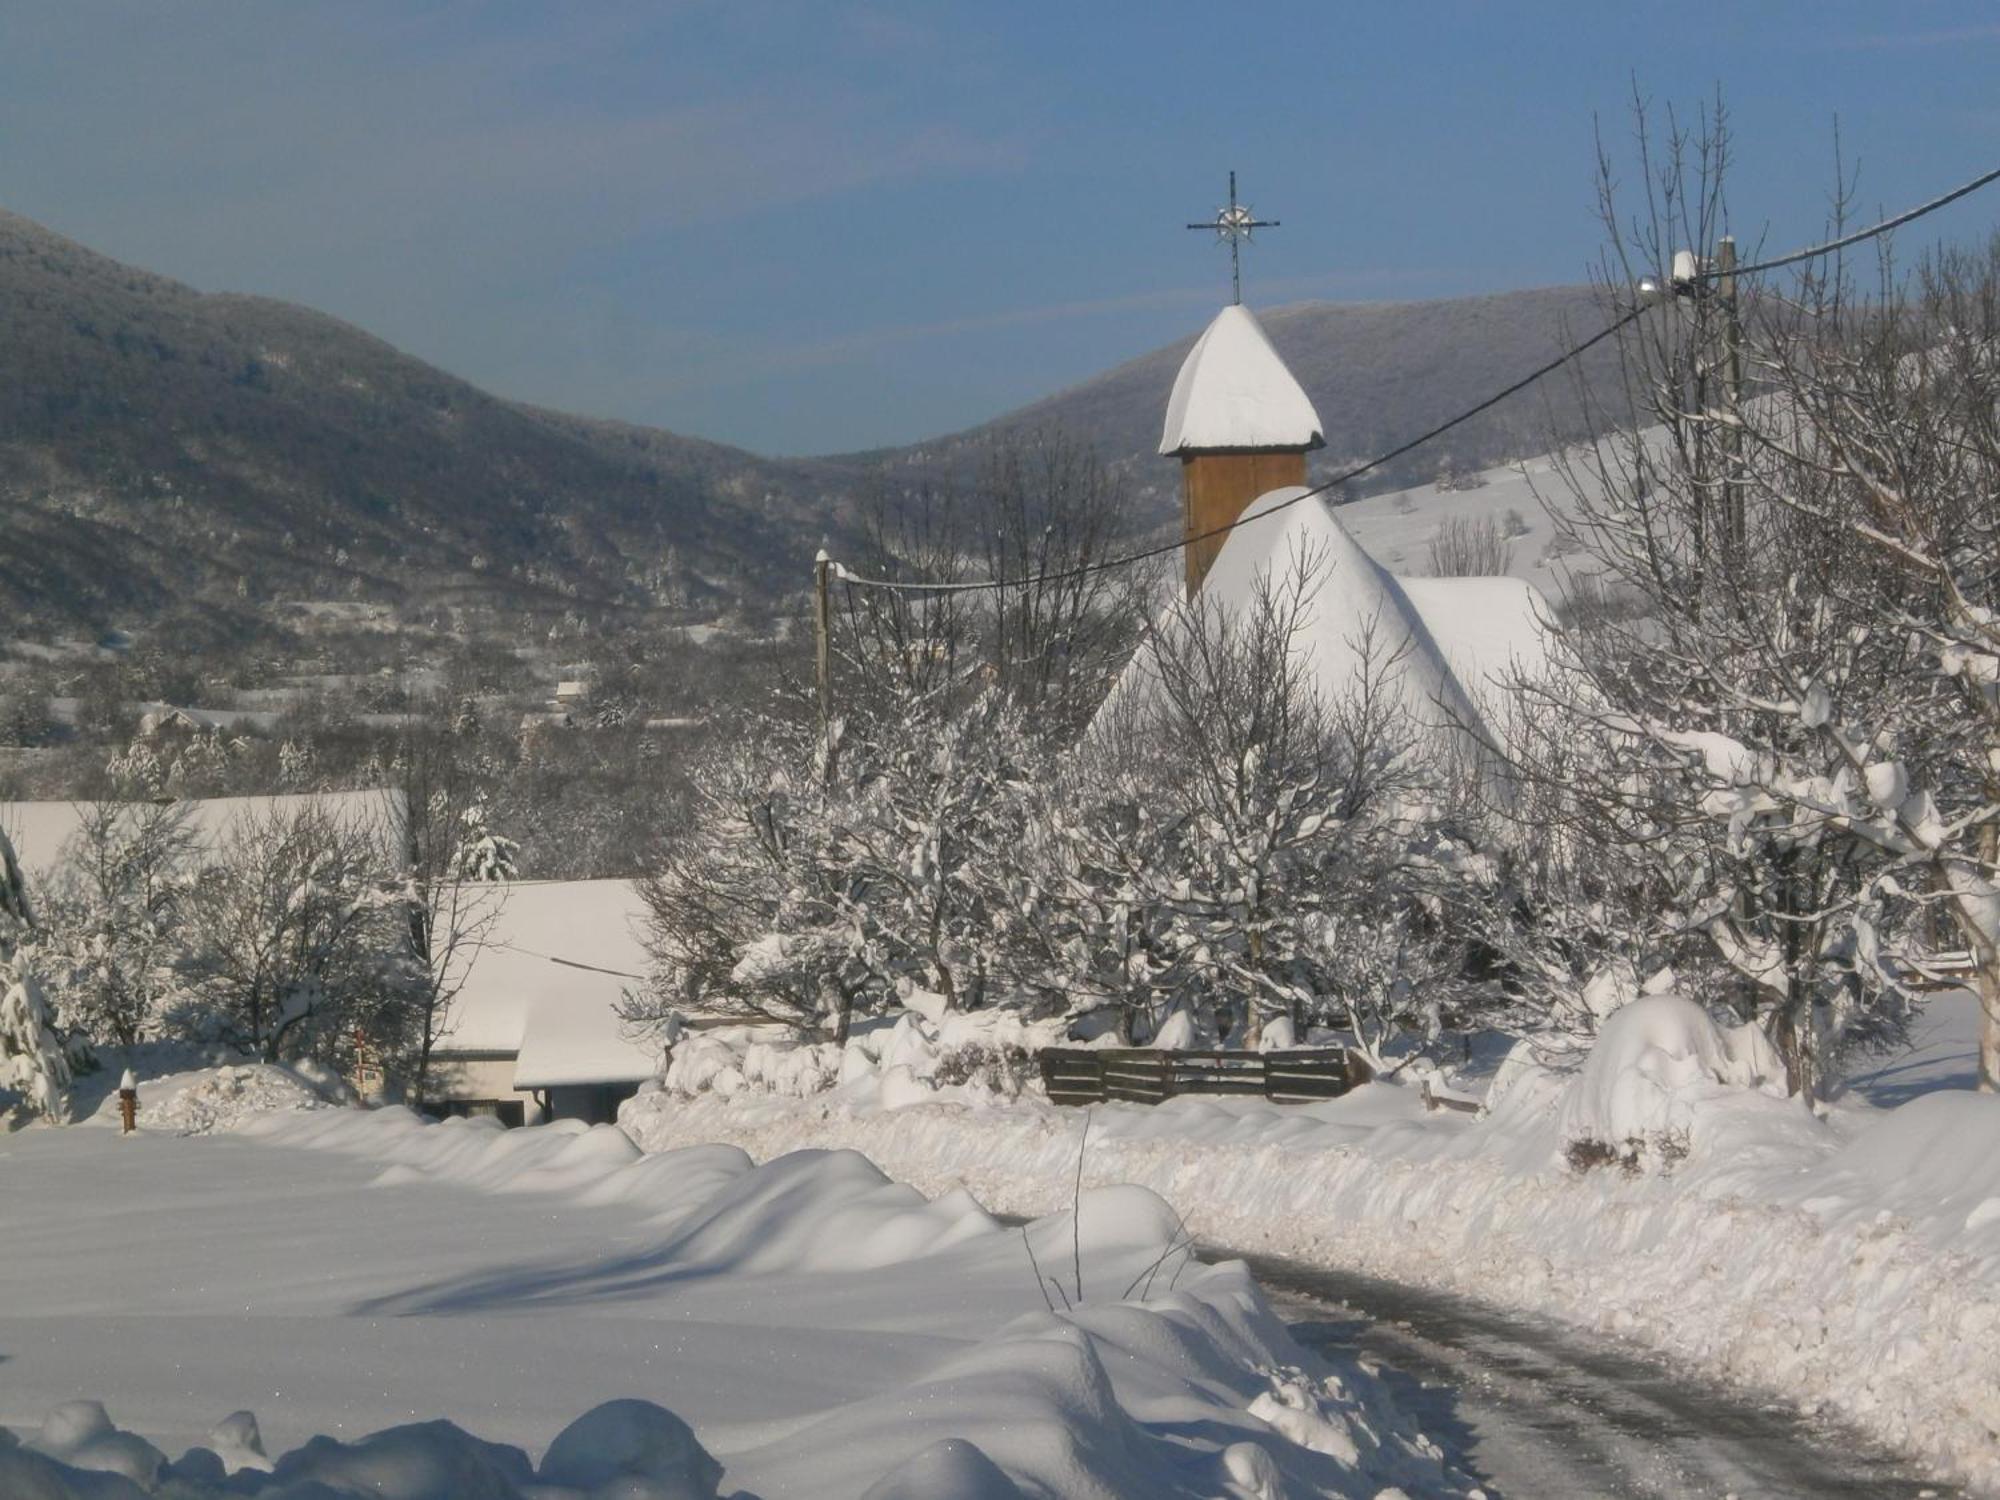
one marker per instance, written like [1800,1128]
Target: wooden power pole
[1734,530]
[823,655]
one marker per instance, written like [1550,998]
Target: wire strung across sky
[1146,554]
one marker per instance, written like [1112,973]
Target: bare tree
[454,869]
[1061,628]
[1041,516]
[1470,547]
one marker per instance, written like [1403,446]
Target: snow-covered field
[1851,1261]
[824,1331]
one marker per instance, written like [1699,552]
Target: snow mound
[643,1449]
[1050,1407]
[205,1100]
[951,1469]
[423,1461]
[810,1210]
[80,1434]
[238,1443]
[821,1210]
[226,1097]
[923,1054]
[622,1450]
[1656,1062]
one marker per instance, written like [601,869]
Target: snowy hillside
[1397,528]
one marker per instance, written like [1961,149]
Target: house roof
[41,830]
[1234,393]
[547,983]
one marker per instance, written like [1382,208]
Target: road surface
[1539,1412]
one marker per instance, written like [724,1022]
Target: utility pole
[1698,281]
[823,656]
[1734,529]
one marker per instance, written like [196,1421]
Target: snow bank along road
[1850,1263]
[823,1331]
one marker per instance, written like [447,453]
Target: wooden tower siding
[1216,488]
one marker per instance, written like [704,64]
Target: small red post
[128,1103]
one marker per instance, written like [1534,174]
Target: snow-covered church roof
[1234,392]
[1446,647]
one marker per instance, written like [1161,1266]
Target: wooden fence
[1091,1075]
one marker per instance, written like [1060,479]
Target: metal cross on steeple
[1234,224]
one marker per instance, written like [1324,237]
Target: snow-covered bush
[987,1052]
[1655,1062]
[813,891]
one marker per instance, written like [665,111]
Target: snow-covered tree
[483,856]
[1236,843]
[111,934]
[747,913]
[1791,696]
[33,1063]
[808,890]
[296,939]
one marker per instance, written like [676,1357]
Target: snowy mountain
[161,446]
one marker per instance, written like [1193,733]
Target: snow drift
[844,1334]
[1851,1262]
[622,1450]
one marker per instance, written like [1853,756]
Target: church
[1241,425]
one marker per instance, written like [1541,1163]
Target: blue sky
[814,227]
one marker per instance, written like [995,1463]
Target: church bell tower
[1240,425]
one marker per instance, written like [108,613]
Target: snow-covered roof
[1453,641]
[570,1043]
[1234,392]
[547,983]
[41,830]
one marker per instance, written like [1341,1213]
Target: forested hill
[160,446]
[167,451]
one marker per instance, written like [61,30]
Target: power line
[1812,252]
[567,963]
[1146,554]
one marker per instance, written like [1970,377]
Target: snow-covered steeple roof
[1234,392]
